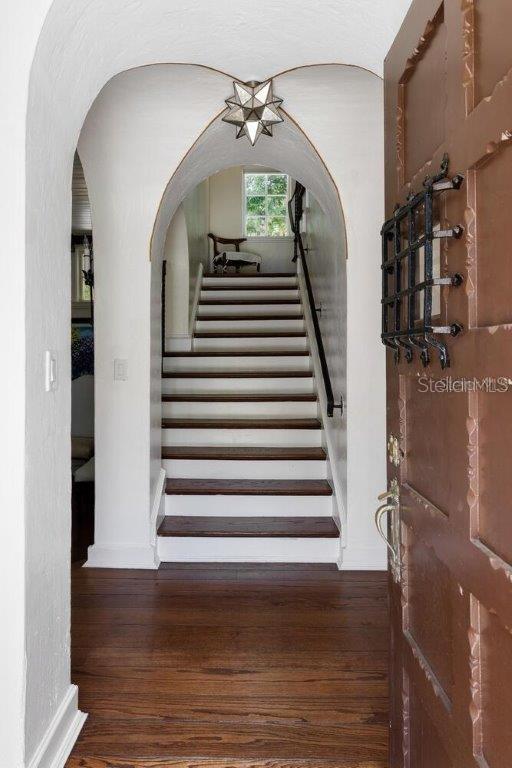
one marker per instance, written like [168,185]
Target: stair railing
[162,328]
[295,213]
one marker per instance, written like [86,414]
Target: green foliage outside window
[266,197]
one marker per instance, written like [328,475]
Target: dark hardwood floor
[231,666]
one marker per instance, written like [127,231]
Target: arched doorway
[45,233]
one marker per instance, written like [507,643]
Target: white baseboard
[122,557]
[354,558]
[181,343]
[58,741]
[195,301]
[158,506]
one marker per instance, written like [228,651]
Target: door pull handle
[379,515]
[391,506]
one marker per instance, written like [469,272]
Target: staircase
[243,445]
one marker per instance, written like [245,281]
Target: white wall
[45,97]
[226,220]
[125,187]
[348,134]
[226,215]
[19,33]
[197,214]
[327,269]
[177,278]
[186,254]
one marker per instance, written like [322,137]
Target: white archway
[127,185]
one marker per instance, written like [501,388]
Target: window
[265,204]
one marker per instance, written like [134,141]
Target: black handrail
[164,275]
[299,250]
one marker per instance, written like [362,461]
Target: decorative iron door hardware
[391,507]
[403,326]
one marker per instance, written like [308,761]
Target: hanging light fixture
[253,109]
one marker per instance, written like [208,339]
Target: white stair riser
[207,410]
[249,506]
[244,362]
[261,280]
[250,325]
[255,470]
[289,343]
[253,309]
[285,293]
[286,550]
[277,386]
[224,436]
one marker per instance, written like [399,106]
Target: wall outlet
[120,370]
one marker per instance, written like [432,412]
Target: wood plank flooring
[230,666]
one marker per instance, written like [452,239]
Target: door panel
[426,747]
[440,413]
[493,54]
[429,607]
[494,203]
[448,89]
[423,97]
[496,695]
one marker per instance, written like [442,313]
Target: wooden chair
[225,241]
[236,241]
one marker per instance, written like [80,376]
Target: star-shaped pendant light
[253,109]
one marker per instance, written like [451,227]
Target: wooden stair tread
[254,423]
[260,287]
[247,334]
[256,275]
[208,302]
[244,453]
[236,318]
[240,397]
[228,352]
[268,527]
[224,374]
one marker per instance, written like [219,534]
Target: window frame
[264,172]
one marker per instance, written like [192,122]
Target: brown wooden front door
[448,89]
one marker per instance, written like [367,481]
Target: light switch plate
[120,369]
[50,371]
